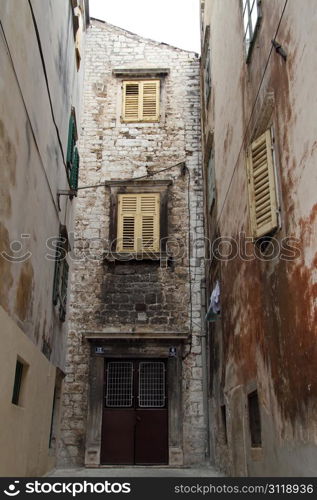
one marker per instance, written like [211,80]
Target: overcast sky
[171,21]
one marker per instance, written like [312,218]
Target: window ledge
[147,184]
[140,72]
[134,256]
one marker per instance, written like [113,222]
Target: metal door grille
[152,385]
[119,384]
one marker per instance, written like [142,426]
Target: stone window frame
[153,87]
[138,75]
[161,187]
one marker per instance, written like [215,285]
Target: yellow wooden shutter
[127,219]
[262,188]
[131,101]
[141,100]
[138,223]
[150,100]
[149,220]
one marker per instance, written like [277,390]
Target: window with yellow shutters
[141,101]
[138,223]
[262,186]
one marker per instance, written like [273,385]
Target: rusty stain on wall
[6,280]
[7,172]
[23,301]
[266,339]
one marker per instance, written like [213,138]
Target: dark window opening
[224,423]
[17,383]
[61,273]
[72,157]
[139,228]
[254,420]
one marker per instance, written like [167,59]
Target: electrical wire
[149,174]
[38,38]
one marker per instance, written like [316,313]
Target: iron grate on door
[151,384]
[119,384]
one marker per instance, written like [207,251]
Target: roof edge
[92,19]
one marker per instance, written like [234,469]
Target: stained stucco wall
[267,335]
[39,83]
[34,158]
[25,432]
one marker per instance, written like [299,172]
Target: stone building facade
[259,148]
[136,316]
[41,59]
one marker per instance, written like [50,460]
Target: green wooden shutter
[71,141]
[63,294]
[75,170]
[57,272]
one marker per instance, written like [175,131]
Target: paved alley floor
[203,471]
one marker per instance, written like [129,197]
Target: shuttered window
[262,186]
[61,276]
[58,268]
[74,170]
[141,101]
[63,291]
[72,157]
[71,140]
[138,222]
[211,180]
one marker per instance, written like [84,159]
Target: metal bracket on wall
[65,192]
[279,49]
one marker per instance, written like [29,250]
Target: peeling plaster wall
[141,297]
[266,338]
[26,427]
[32,170]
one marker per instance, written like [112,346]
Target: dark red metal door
[134,425]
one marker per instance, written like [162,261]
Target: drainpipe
[204,367]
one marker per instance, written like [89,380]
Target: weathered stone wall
[147,297]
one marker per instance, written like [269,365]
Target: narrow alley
[158,264]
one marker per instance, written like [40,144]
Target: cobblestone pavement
[203,471]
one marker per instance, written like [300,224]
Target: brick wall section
[140,296]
